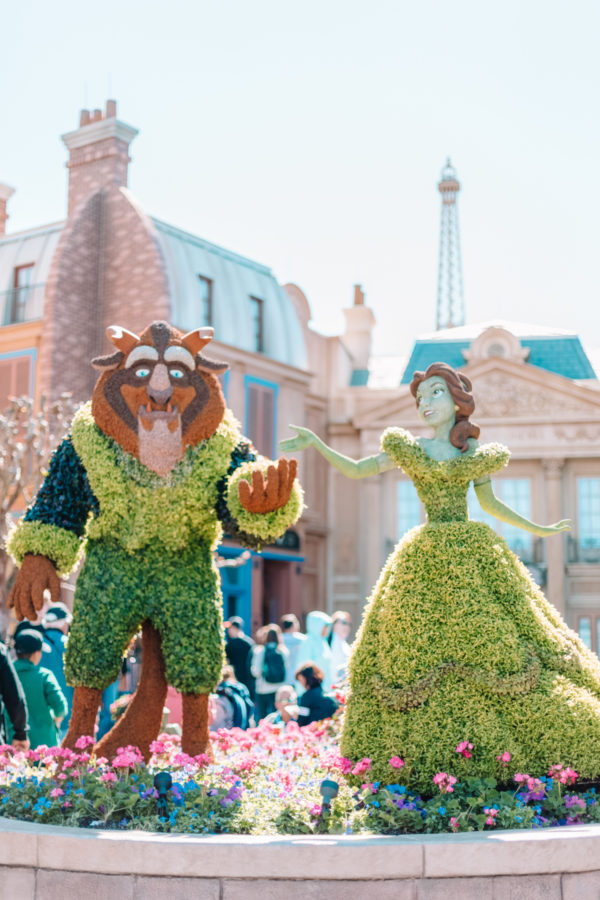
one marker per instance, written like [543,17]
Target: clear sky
[310,136]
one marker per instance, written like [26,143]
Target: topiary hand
[303,439]
[36,575]
[268,494]
[548,530]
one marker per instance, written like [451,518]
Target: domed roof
[235,281]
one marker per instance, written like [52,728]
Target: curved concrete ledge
[42,862]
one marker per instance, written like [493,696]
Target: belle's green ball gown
[458,643]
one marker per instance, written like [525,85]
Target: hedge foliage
[458,643]
[266,526]
[63,547]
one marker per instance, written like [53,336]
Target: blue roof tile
[562,355]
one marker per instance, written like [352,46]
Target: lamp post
[329,790]
[162,782]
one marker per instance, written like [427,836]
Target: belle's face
[435,406]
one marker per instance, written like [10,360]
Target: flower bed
[270,781]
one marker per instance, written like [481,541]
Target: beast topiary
[153,469]
[457,642]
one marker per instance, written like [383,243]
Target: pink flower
[444,782]
[84,741]
[464,749]
[203,759]
[158,747]
[127,757]
[315,810]
[396,762]
[565,774]
[108,776]
[454,823]
[362,766]
[569,776]
[57,792]
[504,758]
[333,760]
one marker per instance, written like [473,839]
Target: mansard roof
[560,352]
[35,247]
[234,280]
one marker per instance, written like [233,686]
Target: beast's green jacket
[148,542]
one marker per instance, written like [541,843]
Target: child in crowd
[284,696]
[46,703]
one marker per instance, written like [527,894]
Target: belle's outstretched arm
[351,468]
[495,507]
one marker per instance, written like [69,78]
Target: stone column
[555,546]
[370,536]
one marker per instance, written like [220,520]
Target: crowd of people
[288,674]
[283,675]
[35,700]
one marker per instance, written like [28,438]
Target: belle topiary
[457,642]
[153,469]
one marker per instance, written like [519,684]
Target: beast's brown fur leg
[140,723]
[83,717]
[195,736]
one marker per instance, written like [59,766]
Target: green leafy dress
[458,643]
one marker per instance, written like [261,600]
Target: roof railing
[21,304]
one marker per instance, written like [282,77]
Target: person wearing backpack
[235,699]
[269,658]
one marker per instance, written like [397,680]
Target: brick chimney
[6,192]
[359,328]
[98,153]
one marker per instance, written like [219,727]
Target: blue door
[236,584]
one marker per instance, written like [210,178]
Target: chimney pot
[84,117]
[359,295]
[98,155]
[6,192]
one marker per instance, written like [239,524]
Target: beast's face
[158,394]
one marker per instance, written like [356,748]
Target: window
[588,513]
[16,375]
[261,410]
[585,630]
[206,299]
[256,310]
[408,508]
[22,281]
[516,493]
[587,626]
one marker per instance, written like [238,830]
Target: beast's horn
[195,340]
[123,340]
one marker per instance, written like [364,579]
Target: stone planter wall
[39,862]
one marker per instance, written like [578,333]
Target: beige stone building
[537,392]
[110,262]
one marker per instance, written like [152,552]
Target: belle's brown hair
[460,388]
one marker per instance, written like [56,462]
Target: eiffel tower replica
[450,297]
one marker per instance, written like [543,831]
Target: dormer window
[206,299]
[22,283]
[256,308]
